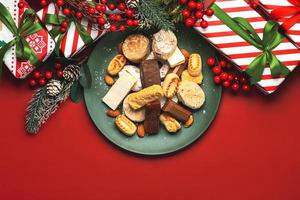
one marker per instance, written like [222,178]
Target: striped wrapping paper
[294,32]
[241,52]
[72,42]
[40,42]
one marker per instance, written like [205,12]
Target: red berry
[129,22]
[217,80]
[78,15]
[63,30]
[224,76]
[57,65]
[243,80]
[189,22]
[226,84]
[185,13]
[183,2]
[21,5]
[103,1]
[60,3]
[211,61]
[66,11]
[113,28]
[235,87]
[199,14]
[59,73]
[136,22]
[209,12]
[91,10]
[230,77]
[118,17]
[122,28]
[101,20]
[101,8]
[64,24]
[112,17]
[204,24]
[37,74]
[197,24]
[246,88]
[32,83]
[199,6]
[236,78]
[44,3]
[223,63]
[192,5]
[48,75]
[129,13]
[42,82]
[98,7]
[122,6]
[111,6]
[216,70]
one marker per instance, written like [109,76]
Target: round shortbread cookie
[164,44]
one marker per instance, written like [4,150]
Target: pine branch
[42,106]
[152,13]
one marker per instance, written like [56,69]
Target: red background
[251,151]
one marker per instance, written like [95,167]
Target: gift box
[253,44]
[24,44]
[287,14]
[79,33]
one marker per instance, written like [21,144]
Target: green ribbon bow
[26,28]
[271,39]
[56,20]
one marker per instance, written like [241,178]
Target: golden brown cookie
[139,99]
[185,76]
[170,85]
[125,125]
[170,123]
[116,65]
[136,48]
[195,65]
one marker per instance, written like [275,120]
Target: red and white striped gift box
[40,42]
[72,42]
[270,5]
[241,52]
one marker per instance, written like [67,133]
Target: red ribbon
[286,11]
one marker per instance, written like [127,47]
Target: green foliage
[2,43]
[153,14]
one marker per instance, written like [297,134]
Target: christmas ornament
[53,87]
[71,73]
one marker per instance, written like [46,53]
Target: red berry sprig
[194,12]
[226,77]
[124,17]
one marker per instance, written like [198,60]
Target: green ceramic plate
[163,142]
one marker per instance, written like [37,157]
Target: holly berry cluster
[119,20]
[225,76]
[194,12]
[41,78]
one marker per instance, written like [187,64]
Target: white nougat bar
[176,59]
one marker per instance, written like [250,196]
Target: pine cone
[71,73]
[53,88]
[132,4]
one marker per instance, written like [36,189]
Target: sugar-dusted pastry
[136,47]
[177,111]
[151,123]
[185,76]
[177,58]
[116,65]
[170,123]
[119,91]
[135,72]
[191,94]
[164,44]
[125,125]
[195,65]
[170,85]
[139,99]
[134,115]
[150,73]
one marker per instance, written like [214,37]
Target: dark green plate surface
[163,142]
